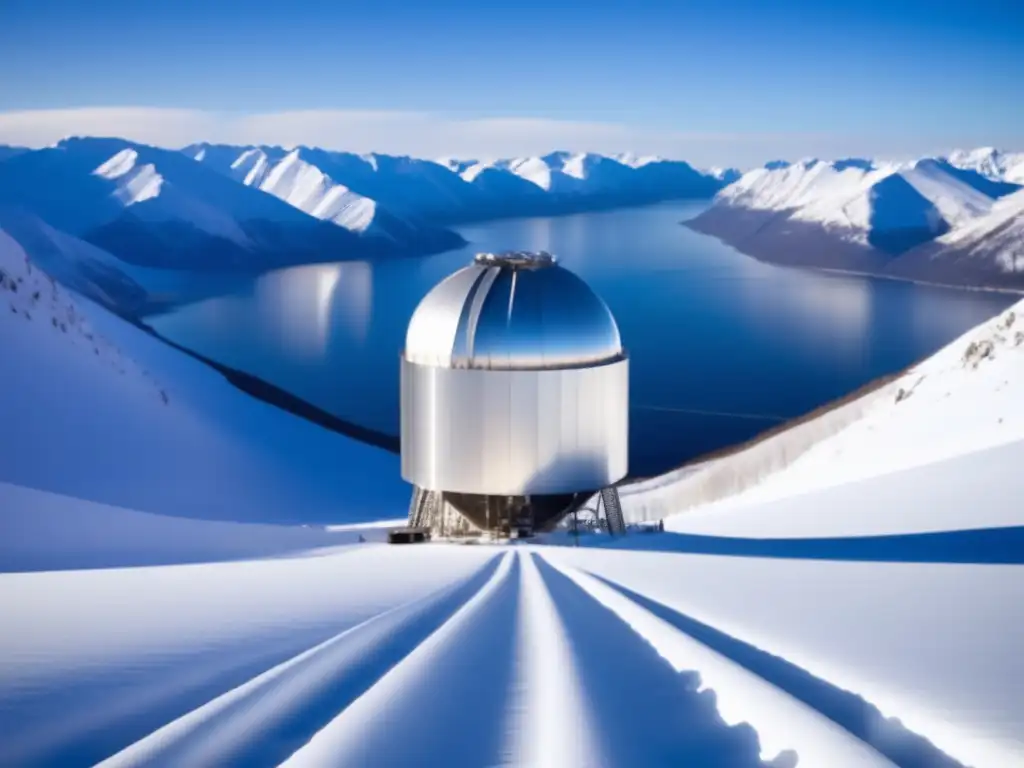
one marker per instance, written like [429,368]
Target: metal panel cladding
[514,382]
[515,432]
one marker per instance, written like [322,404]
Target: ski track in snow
[519,656]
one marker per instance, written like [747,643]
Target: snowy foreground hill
[95,408]
[940,423]
[955,221]
[847,593]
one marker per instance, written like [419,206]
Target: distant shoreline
[915,281]
[718,228]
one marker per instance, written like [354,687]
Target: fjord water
[722,346]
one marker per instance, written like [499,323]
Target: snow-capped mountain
[255,207]
[990,162]
[291,177]
[988,248]
[456,190]
[724,175]
[856,214]
[156,207]
[455,164]
[865,198]
[580,181]
[496,186]
[404,186]
[204,207]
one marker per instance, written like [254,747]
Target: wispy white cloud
[416,133]
[426,134]
[162,127]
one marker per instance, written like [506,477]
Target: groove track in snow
[891,738]
[644,711]
[551,724]
[267,718]
[781,722]
[102,658]
[524,658]
[406,714]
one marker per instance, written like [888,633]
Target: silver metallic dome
[512,311]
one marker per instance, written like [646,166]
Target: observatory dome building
[514,397]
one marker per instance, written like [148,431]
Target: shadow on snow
[980,546]
[97,715]
[645,712]
[886,735]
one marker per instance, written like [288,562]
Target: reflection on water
[707,328]
[822,315]
[306,305]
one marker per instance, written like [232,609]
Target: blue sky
[720,79]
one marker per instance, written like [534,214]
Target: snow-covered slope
[293,178]
[455,164]
[565,173]
[968,397]
[76,264]
[862,199]
[42,531]
[100,410]
[155,207]
[839,652]
[34,304]
[406,187]
[855,214]
[589,174]
[990,247]
[990,162]
[717,661]
[549,174]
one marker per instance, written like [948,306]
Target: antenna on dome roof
[516,259]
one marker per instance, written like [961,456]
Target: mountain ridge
[257,207]
[453,190]
[889,219]
[294,178]
[156,208]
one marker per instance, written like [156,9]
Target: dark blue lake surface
[722,346]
